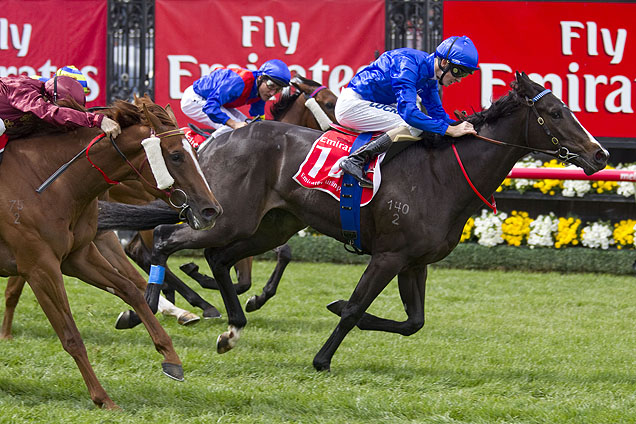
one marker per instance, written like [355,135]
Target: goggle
[459,71]
[273,86]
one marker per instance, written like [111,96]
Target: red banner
[326,41]
[40,36]
[584,52]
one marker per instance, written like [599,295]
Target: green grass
[497,347]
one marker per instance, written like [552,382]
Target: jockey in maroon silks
[24,99]
[212,99]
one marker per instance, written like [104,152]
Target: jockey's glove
[110,127]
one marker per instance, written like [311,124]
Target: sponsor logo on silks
[383,107]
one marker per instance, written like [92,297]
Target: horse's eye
[330,105]
[556,114]
[176,157]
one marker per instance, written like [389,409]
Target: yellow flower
[516,228]
[567,232]
[624,233]
[468,230]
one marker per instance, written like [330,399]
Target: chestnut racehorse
[48,234]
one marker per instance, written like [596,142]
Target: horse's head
[552,125]
[175,168]
[312,105]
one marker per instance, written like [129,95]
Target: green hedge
[474,256]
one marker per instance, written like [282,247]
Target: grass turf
[497,347]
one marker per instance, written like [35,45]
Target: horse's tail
[120,216]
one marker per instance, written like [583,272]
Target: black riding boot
[354,164]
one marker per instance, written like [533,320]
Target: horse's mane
[503,106]
[127,114]
[286,100]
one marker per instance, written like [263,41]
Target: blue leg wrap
[157,273]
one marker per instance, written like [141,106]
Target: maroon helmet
[61,87]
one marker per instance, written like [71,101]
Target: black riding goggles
[459,71]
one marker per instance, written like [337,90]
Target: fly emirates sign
[326,41]
[584,52]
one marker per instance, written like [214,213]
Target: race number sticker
[321,170]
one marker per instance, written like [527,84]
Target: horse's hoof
[322,367]
[337,306]
[174,371]
[251,304]
[188,318]
[223,344]
[211,313]
[189,268]
[126,320]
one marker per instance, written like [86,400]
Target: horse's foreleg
[274,230]
[283,257]
[380,271]
[412,285]
[90,266]
[243,274]
[141,254]
[110,248]
[48,286]
[11,297]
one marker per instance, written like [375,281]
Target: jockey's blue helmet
[277,71]
[459,51]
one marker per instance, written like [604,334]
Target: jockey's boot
[354,164]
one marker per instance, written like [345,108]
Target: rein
[561,153]
[310,103]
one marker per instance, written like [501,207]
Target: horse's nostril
[601,155]
[211,213]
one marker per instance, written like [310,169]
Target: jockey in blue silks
[383,97]
[212,99]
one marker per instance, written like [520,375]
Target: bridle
[310,103]
[169,192]
[562,153]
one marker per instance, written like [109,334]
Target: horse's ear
[155,123]
[168,109]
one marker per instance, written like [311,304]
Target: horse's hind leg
[412,285]
[11,297]
[380,271]
[283,257]
[243,273]
[90,266]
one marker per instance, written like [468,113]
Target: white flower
[578,188]
[522,184]
[542,230]
[488,228]
[626,188]
[597,235]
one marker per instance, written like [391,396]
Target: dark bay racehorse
[292,107]
[251,172]
[51,233]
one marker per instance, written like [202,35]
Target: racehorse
[44,235]
[416,217]
[292,107]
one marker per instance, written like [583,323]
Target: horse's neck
[487,164]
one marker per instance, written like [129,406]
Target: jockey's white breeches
[354,112]
[192,106]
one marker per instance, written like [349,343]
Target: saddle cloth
[320,170]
